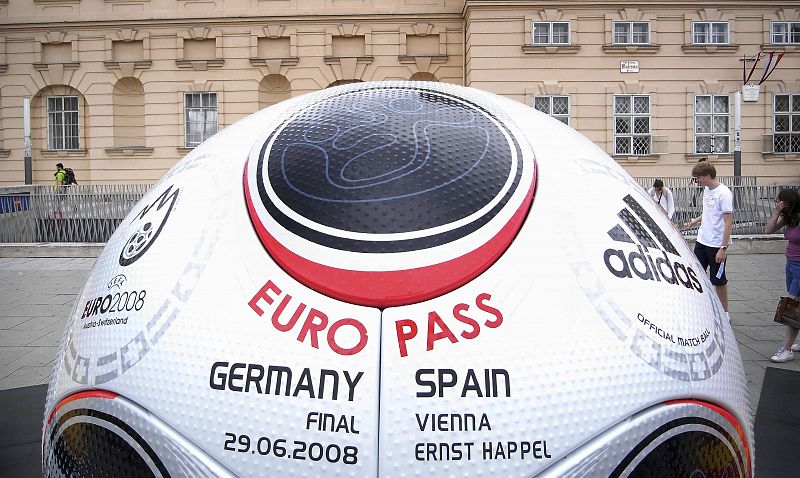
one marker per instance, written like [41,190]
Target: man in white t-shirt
[716,224]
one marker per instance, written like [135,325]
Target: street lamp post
[26,142]
[737,143]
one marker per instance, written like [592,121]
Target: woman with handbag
[787,215]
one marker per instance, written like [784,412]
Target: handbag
[788,312]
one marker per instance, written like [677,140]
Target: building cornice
[615,5]
[29,24]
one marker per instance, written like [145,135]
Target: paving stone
[764,332]
[9,322]
[10,353]
[26,376]
[19,337]
[740,307]
[36,357]
[751,319]
[33,310]
[51,339]
[65,299]
[40,323]
[749,354]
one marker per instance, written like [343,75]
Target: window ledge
[63,153]
[70,65]
[413,58]
[185,149]
[711,48]
[4,153]
[533,49]
[782,47]
[115,65]
[774,157]
[645,158]
[338,59]
[200,64]
[3,67]
[712,158]
[631,48]
[129,151]
[285,60]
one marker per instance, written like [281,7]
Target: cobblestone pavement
[37,294]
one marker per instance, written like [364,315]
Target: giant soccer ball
[398,279]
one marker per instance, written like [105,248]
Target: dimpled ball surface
[397,279]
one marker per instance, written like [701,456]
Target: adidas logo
[650,261]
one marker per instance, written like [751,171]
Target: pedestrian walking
[60,175]
[716,224]
[787,216]
[64,176]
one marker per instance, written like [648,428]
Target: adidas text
[643,266]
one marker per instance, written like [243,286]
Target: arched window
[273,89]
[58,114]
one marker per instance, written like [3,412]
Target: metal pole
[737,145]
[26,142]
[737,148]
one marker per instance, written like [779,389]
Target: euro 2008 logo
[148,224]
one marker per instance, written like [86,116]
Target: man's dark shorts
[707,256]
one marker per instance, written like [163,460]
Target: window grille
[556,106]
[201,117]
[710,33]
[550,33]
[632,125]
[62,122]
[631,33]
[711,124]
[785,33]
[786,123]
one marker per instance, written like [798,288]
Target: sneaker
[795,347]
[782,356]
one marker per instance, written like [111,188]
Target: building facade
[120,90]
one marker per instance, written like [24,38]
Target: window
[636,33]
[551,33]
[556,106]
[632,124]
[785,33]
[62,122]
[200,117]
[786,123]
[710,33]
[711,124]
